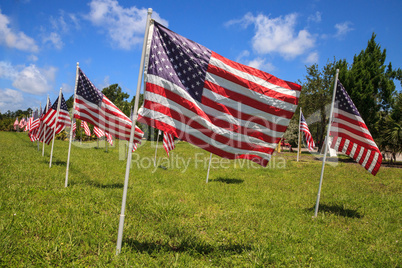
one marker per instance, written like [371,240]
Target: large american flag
[168,142]
[224,107]
[304,128]
[94,107]
[351,135]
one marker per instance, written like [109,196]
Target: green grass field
[245,216]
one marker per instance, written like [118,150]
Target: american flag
[49,119]
[306,131]
[168,142]
[23,122]
[36,119]
[41,126]
[16,124]
[85,126]
[74,128]
[134,147]
[98,132]
[224,107]
[33,129]
[351,135]
[92,106]
[29,123]
[109,138]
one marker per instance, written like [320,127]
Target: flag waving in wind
[351,135]
[98,132]
[85,126]
[224,107]
[50,120]
[168,142]
[306,131]
[16,124]
[94,107]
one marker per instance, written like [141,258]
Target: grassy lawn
[245,216]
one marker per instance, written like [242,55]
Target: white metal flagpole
[130,144]
[209,166]
[55,126]
[156,147]
[71,129]
[298,137]
[326,144]
[44,125]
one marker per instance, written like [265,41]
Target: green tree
[70,102]
[119,98]
[316,95]
[370,83]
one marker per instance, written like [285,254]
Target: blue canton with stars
[63,104]
[178,60]
[87,90]
[343,101]
[302,119]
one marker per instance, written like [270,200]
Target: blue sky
[41,41]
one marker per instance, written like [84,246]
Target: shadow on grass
[336,159]
[191,245]
[59,163]
[228,180]
[338,210]
[97,184]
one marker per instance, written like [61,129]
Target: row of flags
[196,95]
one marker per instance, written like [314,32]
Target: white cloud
[261,64]
[64,22]
[12,39]
[277,35]
[312,58]
[30,79]
[315,17]
[34,80]
[342,29]
[32,58]
[54,39]
[124,26]
[7,71]
[10,100]
[67,88]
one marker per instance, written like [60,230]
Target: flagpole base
[120,234]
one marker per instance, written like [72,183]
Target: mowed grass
[245,216]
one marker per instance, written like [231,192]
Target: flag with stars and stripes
[304,128]
[109,139]
[85,126]
[224,107]
[49,119]
[95,108]
[34,125]
[23,122]
[168,142]
[351,135]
